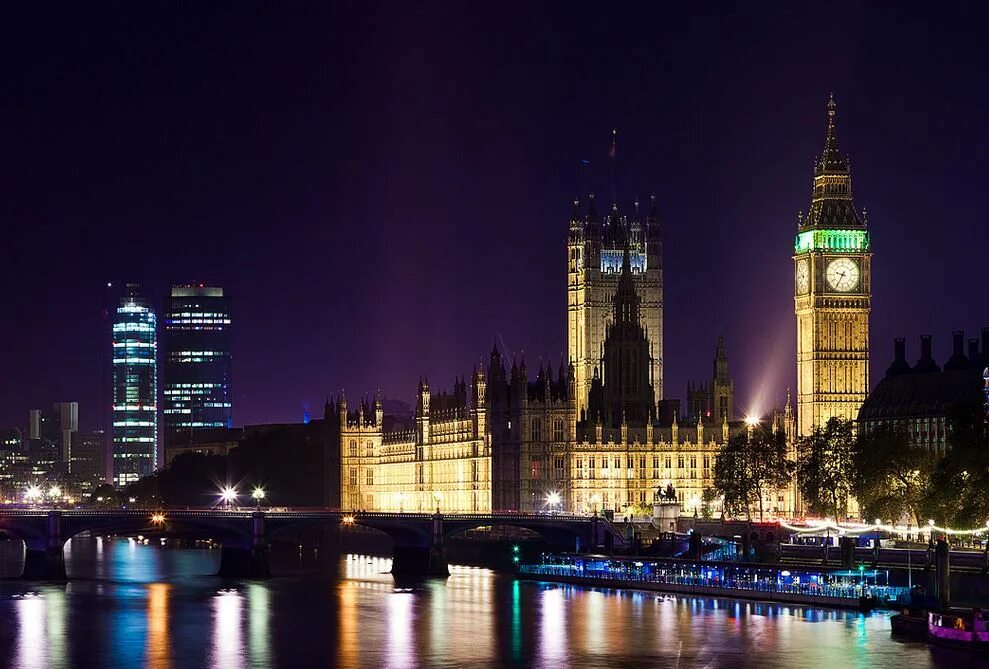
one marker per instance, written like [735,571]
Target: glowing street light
[257,495]
[158,518]
[751,421]
[553,499]
[54,491]
[33,493]
[347,520]
[228,495]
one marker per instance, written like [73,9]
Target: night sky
[384,189]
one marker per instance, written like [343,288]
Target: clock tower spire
[832,294]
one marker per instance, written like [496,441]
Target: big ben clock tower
[832,295]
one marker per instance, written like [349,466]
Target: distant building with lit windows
[197,399]
[924,398]
[135,388]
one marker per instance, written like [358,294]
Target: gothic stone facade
[832,295]
[505,442]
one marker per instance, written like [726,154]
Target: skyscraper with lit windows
[197,396]
[135,388]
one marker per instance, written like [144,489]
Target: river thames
[129,604]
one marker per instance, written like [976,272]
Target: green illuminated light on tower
[840,241]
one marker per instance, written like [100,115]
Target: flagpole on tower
[613,153]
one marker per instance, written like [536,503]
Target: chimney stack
[957,359]
[900,365]
[926,362]
[985,347]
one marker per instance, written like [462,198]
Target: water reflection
[228,642]
[154,610]
[32,646]
[259,606]
[157,651]
[553,632]
[400,650]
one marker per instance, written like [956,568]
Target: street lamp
[751,421]
[595,498]
[54,492]
[33,493]
[438,496]
[553,499]
[258,494]
[228,495]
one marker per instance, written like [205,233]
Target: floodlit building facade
[502,441]
[832,263]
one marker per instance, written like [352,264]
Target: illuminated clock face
[803,276]
[843,274]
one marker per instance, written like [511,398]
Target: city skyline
[416,267]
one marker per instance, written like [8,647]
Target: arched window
[558,430]
[353,448]
[536,432]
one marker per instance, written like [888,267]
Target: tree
[732,477]
[104,495]
[891,476]
[750,465]
[825,468]
[958,494]
[708,498]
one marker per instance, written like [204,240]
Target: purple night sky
[384,189]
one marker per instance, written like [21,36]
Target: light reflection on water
[160,608]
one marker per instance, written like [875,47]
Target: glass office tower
[197,363]
[135,388]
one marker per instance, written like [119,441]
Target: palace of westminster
[596,434]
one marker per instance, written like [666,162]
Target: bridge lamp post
[553,499]
[33,493]
[258,495]
[54,493]
[228,495]
[438,496]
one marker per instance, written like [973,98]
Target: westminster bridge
[243,534]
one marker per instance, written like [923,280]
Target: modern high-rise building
[832,294]
[596,247]
[53,431]
[135,388]
[197,363]
[88,462]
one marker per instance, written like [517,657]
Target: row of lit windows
[200,314]
[199,423]
[135,407]
[188,393]
[133,327]
[199,321]
[135,309]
